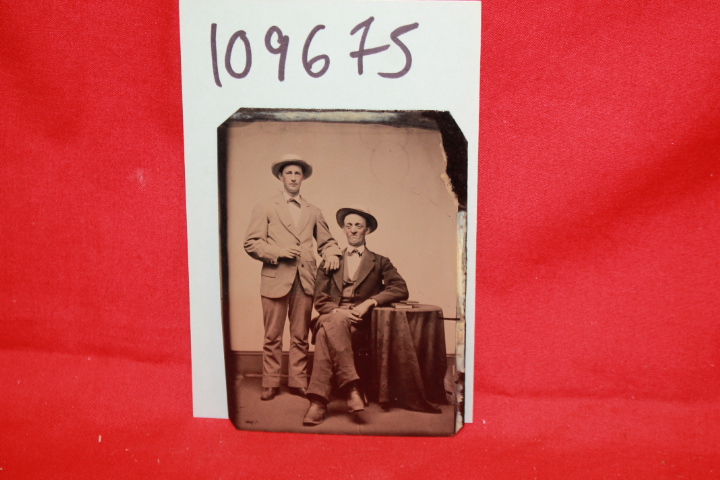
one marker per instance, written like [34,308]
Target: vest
[348,291]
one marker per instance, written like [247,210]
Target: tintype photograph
[343,270]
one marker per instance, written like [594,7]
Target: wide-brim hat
[291,158]
[362,211]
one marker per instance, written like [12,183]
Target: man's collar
[360,249]
[288,197]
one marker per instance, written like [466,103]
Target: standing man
[345,299]
[280,235]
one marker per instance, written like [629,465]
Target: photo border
[455,150]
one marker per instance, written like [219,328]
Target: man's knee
[300,342]
[334,320]
[272,340]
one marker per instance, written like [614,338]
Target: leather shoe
[315,413]
[269,393]
[355,401]
[299,391]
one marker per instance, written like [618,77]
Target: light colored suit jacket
[271,229]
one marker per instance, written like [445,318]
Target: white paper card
[302,55]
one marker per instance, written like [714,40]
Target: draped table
[407,350]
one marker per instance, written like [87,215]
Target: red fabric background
[598,344]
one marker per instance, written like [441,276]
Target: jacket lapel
[284,214]
[338,275]
[367,262]
[304,215]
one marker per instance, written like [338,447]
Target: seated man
[344,298]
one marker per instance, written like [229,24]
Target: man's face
[292,177]
[355,228]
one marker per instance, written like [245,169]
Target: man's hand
[360,310]
[349,314]
[289,252]
[332,262]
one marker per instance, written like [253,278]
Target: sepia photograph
[342,240]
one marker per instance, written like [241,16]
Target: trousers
[334,354]
[297,307]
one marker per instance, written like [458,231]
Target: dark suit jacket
[376,278]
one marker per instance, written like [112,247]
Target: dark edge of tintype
[456,152]
[225,273]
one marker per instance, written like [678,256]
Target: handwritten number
[309,64]
[408,56]
[281,49]
[362,51]
[213,52]
[248,55]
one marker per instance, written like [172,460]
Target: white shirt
[352,260]
[293,204]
